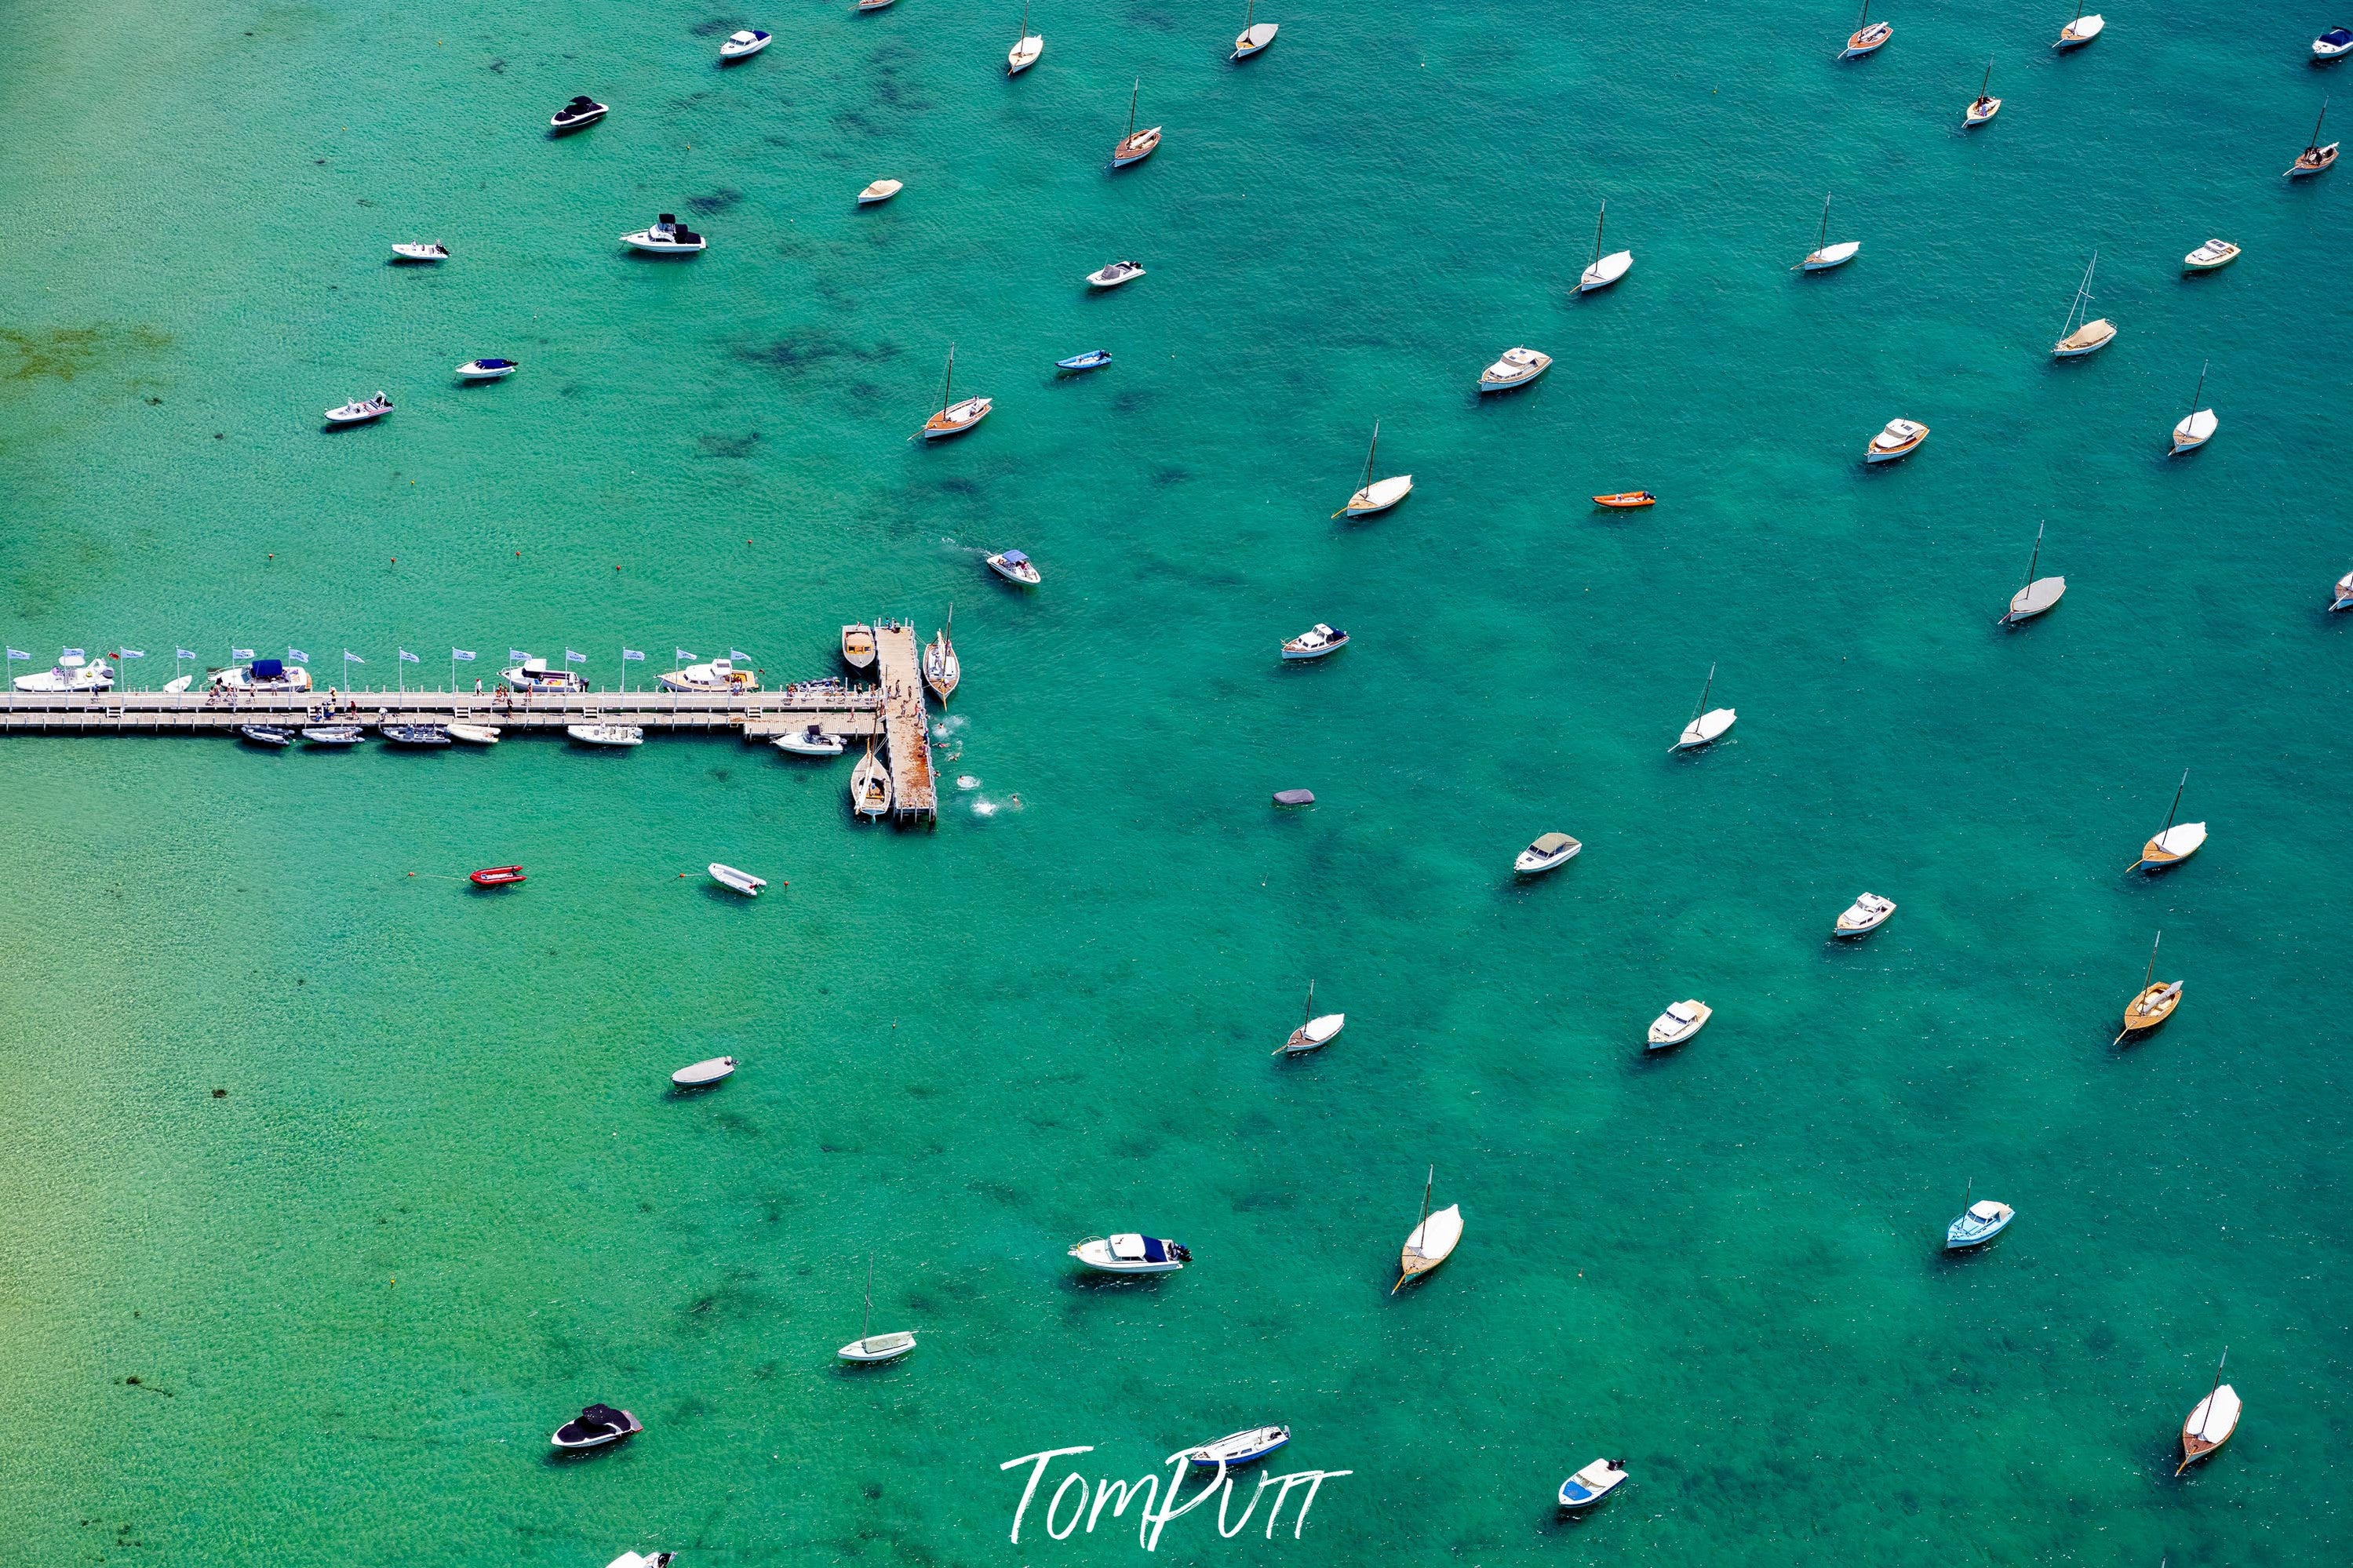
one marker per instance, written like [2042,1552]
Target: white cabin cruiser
[422,251]
[1548,850]
[1867,913]
[744,43]
[1129,1253]
[809,742]
[1238,1448]
[532,675]
[72,672]
[1318,641]
[1900,439]
[261,675]
[2214,253]
[1979,1223]
[667,237]
[1679,1023]
[719,675]
[1516,368]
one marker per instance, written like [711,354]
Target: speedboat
[2172,847]
[1024,53]
[1626,500]
[360,410]
[266,734]
[2332,44]
[415,736]
[2193,431]
[582,111]
[1129,1253]
[1867,913]
[1679,1023]
[487,369]
[1516,368]
[1830,256]
[743,44]
[334,734]
[2079,32]
[1015,567]
[428,250]
[474,734]
[496,876]
[532,675]
[261,675]
[1318,641]
[1605,270]
[1900,439]
[709,1072]
[880,191]
[72,672]
[809,742]
[1135,147]
[1254,39]
[1706,728]
[1593,1483]
[667,237]
[2209,1424]
[742,881]
[1547,850]
[594,1427]
[1114,274]
[1979,1223]
[607,734]
[858,645]
[1093,359]
[1238,1448]
[719,675]
[2214,253]
[2341,598]
[1378,496]
[957,418]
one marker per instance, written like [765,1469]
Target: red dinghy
[497,876]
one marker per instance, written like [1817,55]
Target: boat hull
[1023,55]
[1976,115]
[704,1072]
[1832,255]
[876,1349]
[1378,496]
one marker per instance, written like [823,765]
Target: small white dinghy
[812,741]
[473,734]
[1431,1242]
[869,1347]
[1112,274]
[703,1072]
[742,881]
[1237,1449]
[1548,850]
[1129,1253]
[880,191]
[1867,913]
[360,411]
[1593,1483]
[642,1560]
[1313,1033]
[1679,1023]
[422,251]
[607,734]
[743,43]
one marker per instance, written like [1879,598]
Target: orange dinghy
[1626,500]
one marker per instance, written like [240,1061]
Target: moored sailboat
[1603,271]
[2174,842]
[2153,1004]
[1985,105]
[1825,255]
[941,670]
[2036,595]
[2212,1421]
[869,1347]
[1025,48]
[1867,37]
[2198,426]
[1255,34]
[2080,336]
[954,419]
[870,785]
[2080,31]
[1135,146]
[2315,157]
[2341,597]
[1314,1034]
[1432,1241]
[1375,497]
[1706,725]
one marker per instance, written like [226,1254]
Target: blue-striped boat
[1093,359]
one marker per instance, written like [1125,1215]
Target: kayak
[1626,500]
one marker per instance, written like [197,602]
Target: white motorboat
[72,672]
[360,410]
[1372,495]
[333,736]
[858,645]
[487,369]
[597,1426]
[2196,427]
[870,785]
[1867,913]
[1238,1448]
[1255,34]
[532,675]
[1900,439]
[607,734]
[2079,335]
[582,111]
[667,236]
[474,734]
[954,419]
[1604,270]
[1431,1242]
[1129,1253]
[942,669]
[744,43]
[880,191]
[261,675]
[1707,724]
[1318,641]
[1015,567]
[2334,43]
[809,742]
[1025,48]
[1979,1223]
[1547,850]
[719,675]
[2079,32]
[2036,595]
[178,684]
[708,1071]
[1679,1023]
[742,881]
[1593,1483]
[1137,145]
[2212,1421]
[1985,105]
[1518,368]
[1112,274]
[2341,597]
[426,250]
[642,1560]
[1824,255]
[2214,253]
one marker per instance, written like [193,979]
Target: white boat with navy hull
[582,111]
[534,676]
[720,675]
[2333,44]
[1238,1448]
[667,236]
[261,675]
[1518,368]
[72,672]
[1679,1023]
[742,882]
[1604,270]
[743,44]
[487,369]
[597,1426]
[1129,1253]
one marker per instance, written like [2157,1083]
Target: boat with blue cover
[1132,1253]
[1093,359]
[1593,1483]
[487,369]
[1239,1447]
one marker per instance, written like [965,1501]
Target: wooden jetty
[906,724]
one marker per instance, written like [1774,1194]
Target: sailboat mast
[1705,688]
[2149,977]
[947,380]
[1366,482]
[2035,558]
[866,1323]
[2315,123]
[1986,85]
[1308,1011]
[1429,1181]
[1821,237]
[1605,217]
[1131,106]
[2177,804]
[2201,386]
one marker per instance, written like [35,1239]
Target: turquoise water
[445,1199]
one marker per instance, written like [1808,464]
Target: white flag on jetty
[351,658]
[184,653]
[738,655]
[571,658]
[240,653]
[19,653]
[462,655]
[132,653]
[408,657]
[635,653]
[298,655]
[517,655]
[684,655]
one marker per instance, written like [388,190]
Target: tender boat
[2341,598]
[1626,500]
[2211,1421]
[415,736]
[1604,270]
[532,675]
[1985,105]
[1318,641]
[744,43]
[1979,1223]
[1867,37]
[1866,914]
[1432,1241]
[178,684]
[1707,724]
[474,734]
[266,734]
[1547,851]
[428,250]
[487,369]
[942,669]
[1238,1448]
[858,645]
[1516,368]
[1295,797]
[870,785]
[1900,439]
[606,734]
[667,236]
[809,742]
[1824,255]
[1112,275]
[2174,842]
[880,191]
[1255,34]
[719,675]
[1131,1253]
[582,111]
[1679,1023]
[2333,44]
[1375,496]
[1015,567]
[2214,253]
[1593,1483]
[2079,32]
[707,1071]
[642,1560]
[1093,359]
[334,734]
[2037,594]
[75,672]
[2315,157]
[496,876]
[2079,335]
[1025,48]
[1313,1033]
[2154,1002]
[1137,145]
[261,675]
[594,1427]
[954,419]
[742,881]
[360,410]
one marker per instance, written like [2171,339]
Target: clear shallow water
[445,1200]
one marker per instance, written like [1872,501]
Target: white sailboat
[2315,157]
[2078,335]
[2212,1421]
[870,785]
[1604,270]
[1255,34]
[2174,842]
[1135,146]
[1314,1034]
[2339,598]
[1025,48]
[1432,1241]
[869,1347]
[2036,595]
[1372,497]
[1985,105]
[2198,426]
[2080,31]
[941,670]
[1825,255]
[954,419]
[1705,725]
[1867,37]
